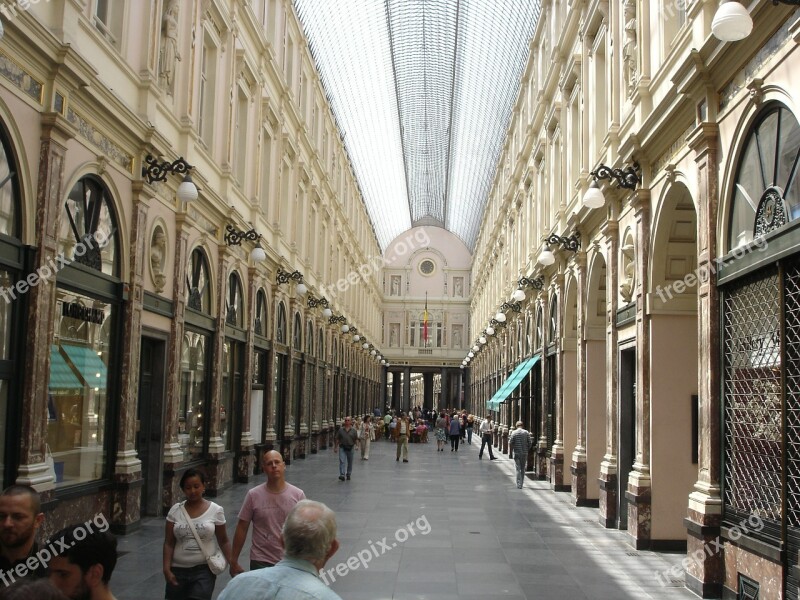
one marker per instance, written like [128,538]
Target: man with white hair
[309,540]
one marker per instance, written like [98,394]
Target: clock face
[426,267]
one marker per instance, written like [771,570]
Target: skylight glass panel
[350,44]
[422,91]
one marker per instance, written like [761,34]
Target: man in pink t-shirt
[266,506]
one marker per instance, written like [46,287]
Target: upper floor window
[108,19]
[208,76]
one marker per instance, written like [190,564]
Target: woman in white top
[365,436]
[184,563]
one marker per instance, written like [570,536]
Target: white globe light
[187,190]
[500,317]
[490,330]
[327,313]
[594,198]
[546,257]
[356,337]
[471,354]
[302,289]
[383,362]
[463,362]
[475,348]
[482,339]
[365,345]
[373,352]
[731,22]
[460,366]
[258,254]
[345,328]
[380,357]
[518,295]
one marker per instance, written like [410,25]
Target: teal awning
[511,383]
[88,364]
[61,375]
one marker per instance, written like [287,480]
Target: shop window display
[78,387]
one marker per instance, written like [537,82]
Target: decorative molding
[18,76]
[109,149]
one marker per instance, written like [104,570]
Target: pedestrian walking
[366,436]
[266,507]
[191,523]
[455,432]
[520,441]
[402,433]
[486,437]
[346,438]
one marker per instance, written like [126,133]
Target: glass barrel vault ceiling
[422,91]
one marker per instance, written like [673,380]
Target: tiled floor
[475,535]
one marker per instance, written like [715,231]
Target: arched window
[766,194]
[198,282]
[321,344]
[260,322]
[88,233]
[280,326]
[539,339]
[234,304]
[553,320]
[9,190]
[297,333]
[309,338]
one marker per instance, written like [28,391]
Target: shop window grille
[748,589]
[753,396]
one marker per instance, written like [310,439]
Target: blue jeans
[345,454]
[193,582]
[469,435]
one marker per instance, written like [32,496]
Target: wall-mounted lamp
[155,171]
[627,178]
[489,330]
[284,277]
[515,306]
[482,339]
[234,237]
[339,319]
[732,22]
[571,243]
[312,302]
[537,284]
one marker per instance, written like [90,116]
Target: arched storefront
[759,284]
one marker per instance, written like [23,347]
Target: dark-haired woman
[184,562]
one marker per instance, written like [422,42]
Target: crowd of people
[292,538]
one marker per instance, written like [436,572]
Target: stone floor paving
[443,526]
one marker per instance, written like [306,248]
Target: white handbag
[216,561]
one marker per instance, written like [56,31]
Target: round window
[426,267]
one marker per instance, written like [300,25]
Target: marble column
[556,472]
[173,455]
[41,300]
[608,466]
[578,466]
[704,516]
[638,493]
[126,498]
